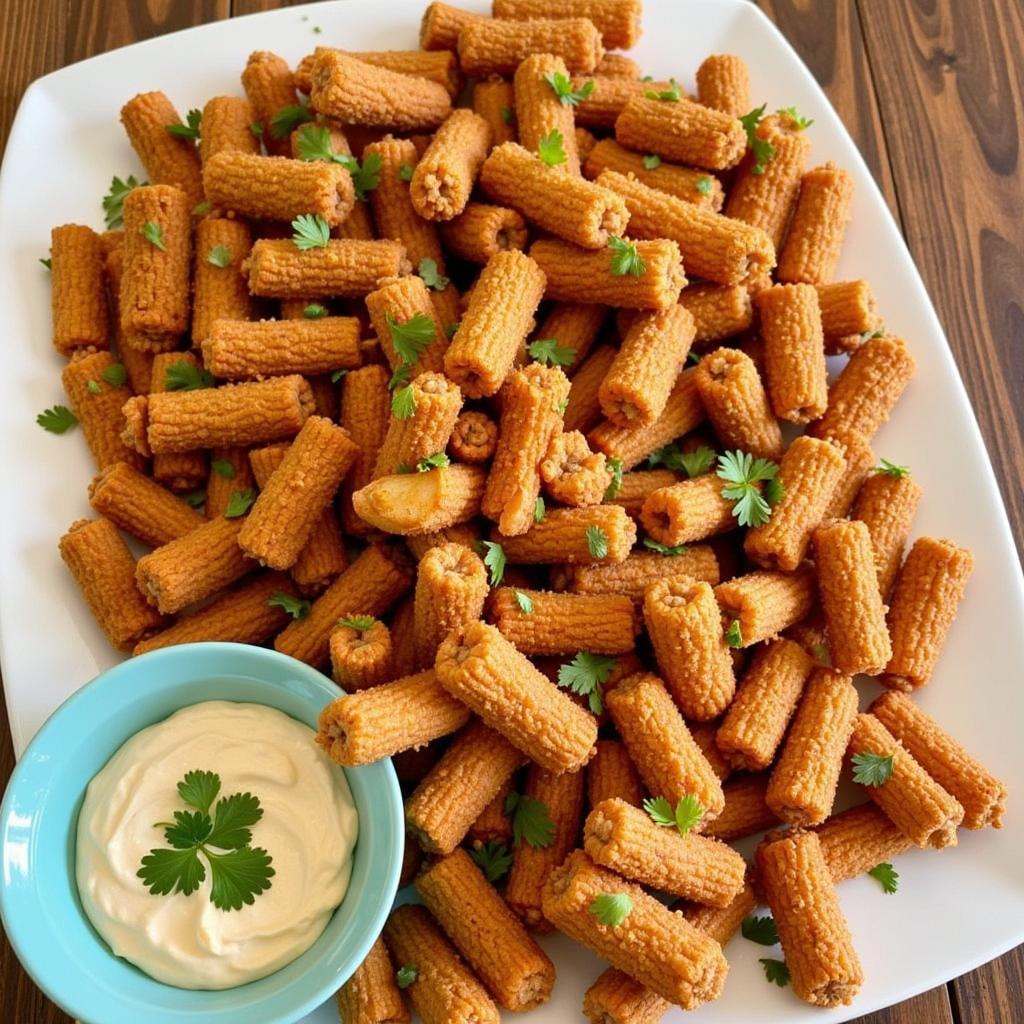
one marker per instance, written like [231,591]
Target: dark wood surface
[932,92]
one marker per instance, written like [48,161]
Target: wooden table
[932,92]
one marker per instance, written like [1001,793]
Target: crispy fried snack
[219,293]
[482,230]
[855,840]
[79,297]
[451,586]
[722,923]
[766,603]
[392,305]
[618,21]
[687,511]
[746,810]
[847,308]
[416,503]
[442,24]
[230,472]
[226,127]
[539,111]
[361,657]
[859,459]
[723,83]
[270,87]
[632,577]
[489,46]
[104,570]
[494,100]
[168,160]
[612,775]
[436,402]
[815,236]
[181,471]
[616,998]
[438,66]
[445,174]
[364,411]
[371,995]
[572,473]
[561,537]
[584,409]
[474,437]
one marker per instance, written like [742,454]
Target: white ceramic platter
[954,910]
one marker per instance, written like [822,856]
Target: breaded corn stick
[370,586]
[686,183]
[580,275]
[364,411]
[809,473]
[815,937]
[219,292]
[136,362]
[168,159]
[414,503]
[539,111]
[718,311]
[565,623]
[864,394]
[918,805]
[226,127]
[928,591]
[736,403]
[618,21]
[270,88]
[572,473]
[79,297]
[855,840]
[848,585]
[574,325]
[345,268]
[230,472]
[494,100]
[665,754]
[565,205]
[685,629]
[753,727]
[815,236]
[562,796]
[435,402]
[439,66]
[134,502]
[362,727]
[492,824]
[474,438]
[660,948]
[154,298]
[451,585]
[980,793]
[746,810]
[562,537]
[181,471]
[442,24]
[482,230]
[394,304]
[847,307]
[859,459]
[104,570]
[445,174]
[509,962]
[361,654]
[99,413]
[722,923]
[480,667]
[683,131]
[611,774]
[371,995]
[687,511]
[498,47]
[355,92]
[803,782]
[609,97]
[584,408]
[766,603]
[445,804]
[640,569]
[636,486]
[616,998]
[723,83]
[703,734]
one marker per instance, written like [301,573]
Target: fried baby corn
[979,792]
[490,46]
[445,174]
[572,473]
[104,569]
[924,604]
[616,998]
[756,721]
[847,307]
[394,304]
[451,586]
[859,460]
[660,948]
[181,471]
[687,511]
[78,294]
[230,472]
[855,840]
[361,657]
[816,232]
[494,100]
[455,792]
[497,321]
[514,968]
[746,810]
[660,745]
[611,775]
[167,159]
[766,603]
[270,88]
[438,66]
[371,995]
[562,537]
[474,437]
[803,782]
[481,668]
[618,21]
[723,83]
[562,796]
[219,292]
[581,275]
[226,127]
[407,713]
[435,403]
[529,420]
[640,569]
[481,231]
[539,111]
[815,937]
[584,409]
[364,412]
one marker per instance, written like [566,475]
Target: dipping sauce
[309,827]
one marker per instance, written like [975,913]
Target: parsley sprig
[524,602]
[891,469]
[597,542]
[672,94]
[154,234]
[586,675]
[409,340]
[436,461]
[406,975]
[626,258]
[219,256]
[113,201]
[775,971]
[238,872]
[611,908]
[761,930]
[239,503]
[799,121]
[57,420]
[188,130]
[551,148]
[614,463]
[761,149]
[287,119]
[311,232]
[431,277]
[684,817]
[494,559]
[871,769]
[886,877]
[562,87]
[549,352]
[742,473]
[493,858]
[296,607]
[185,376]
[531,821]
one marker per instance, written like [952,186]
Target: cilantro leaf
[314,311]
[365,175]
[762,149]
[798,120]
[651,161]
[659,810]
[287,119]
[114,200]
[597,541]
[493,858]
[405,172]
[742,473]
[886,876]
[672,94]
[197,499]
[188,130]
[202,209]
[549,352]
[403,402]
[360,623]
[337,375]
[891,469]
[256,128]
[413,337]
[871,335]
[115,375]
[311,232]
[185,376]
[734,635]
[57,420]
[698,462]
[406,975]
[199,789]
[93,387]
[611,908]
[294,606]
[314,143]
[524,601]
[614,463]
[664,549]
[550,148]
[436,461]
[704,185]
[586,674]
[531,821]
[233,818]
[154,234]
[47,262]
[506,115]
[539,511]
[239,502]
[165,871]
[224,468]
[189,829]
[562,87]
[776,971]
[760,930]
[431,278]
[494,559]
[684,818]
[626,258]
[239,876]
[872,769]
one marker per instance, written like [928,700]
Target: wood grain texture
[932,93]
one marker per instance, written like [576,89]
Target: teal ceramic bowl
[39,902]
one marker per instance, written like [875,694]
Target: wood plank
[992,993]
[828,38]
[951,92]
[928,1008]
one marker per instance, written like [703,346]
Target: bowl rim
[337,967]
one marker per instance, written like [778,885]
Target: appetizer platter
[552,376]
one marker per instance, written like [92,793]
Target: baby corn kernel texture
[815,238]
[361,658]
[445,174]
[490,46]
[168,159]
[78,293]
[766,603]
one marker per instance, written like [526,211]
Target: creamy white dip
[309,827]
